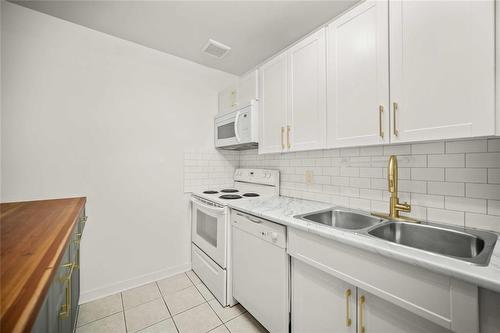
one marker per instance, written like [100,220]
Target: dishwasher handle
[251,219]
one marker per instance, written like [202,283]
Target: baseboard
[114,288]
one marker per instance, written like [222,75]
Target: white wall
[84,113]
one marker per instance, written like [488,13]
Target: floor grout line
[168,309]
[93,321]
[123,310]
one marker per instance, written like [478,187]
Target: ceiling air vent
[216,49]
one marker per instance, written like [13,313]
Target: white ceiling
[254,30]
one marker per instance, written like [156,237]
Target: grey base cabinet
[59,311]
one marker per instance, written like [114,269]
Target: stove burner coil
[230,196]
[251,195]
[229,190]
[210,192]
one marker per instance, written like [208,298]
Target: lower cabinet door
[376,315]
[320,302]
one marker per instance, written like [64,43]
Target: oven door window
[206,227]
[226,131]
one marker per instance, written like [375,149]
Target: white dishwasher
[261,269]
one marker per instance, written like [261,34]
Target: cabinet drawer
[448,302]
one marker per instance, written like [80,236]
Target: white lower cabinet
[389,295]
[321,302]
[376,315]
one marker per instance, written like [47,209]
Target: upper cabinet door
[442,69]
[306,126]
[273,104]
[358,76]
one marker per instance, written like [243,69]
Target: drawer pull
[348,320]
[362,314]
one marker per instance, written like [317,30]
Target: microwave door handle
[236,120]
[201,204]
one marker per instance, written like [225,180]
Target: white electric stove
[211,227]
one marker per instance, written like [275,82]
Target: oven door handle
[236,120]
[212,208]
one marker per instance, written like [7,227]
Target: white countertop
[283,209]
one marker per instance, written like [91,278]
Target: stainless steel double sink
[470,245]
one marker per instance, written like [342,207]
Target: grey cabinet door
[41,324]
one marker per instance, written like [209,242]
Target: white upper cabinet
[358,76]
[247,89]
[306,126]
[292,91]
[273,87]
[228,100]
[442,69]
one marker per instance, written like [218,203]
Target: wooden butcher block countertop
[34,235]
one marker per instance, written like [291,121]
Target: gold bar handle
[348,320]
[362,314]
[288,136]
[395,122]
[380,116]
[78,237]
[66,307]
[282,134]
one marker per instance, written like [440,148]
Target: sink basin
[343,219]
[470,245]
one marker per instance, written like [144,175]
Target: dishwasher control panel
[269,231]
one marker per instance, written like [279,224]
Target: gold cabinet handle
[362,314]
[83,219]
[380,117]
[66,307]
[394,113]
[288,136]
[282,134]
[78,237]
[348,320]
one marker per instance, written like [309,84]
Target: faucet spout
[395,207]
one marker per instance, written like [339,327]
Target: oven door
[209,229]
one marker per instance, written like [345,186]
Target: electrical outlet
[309,177]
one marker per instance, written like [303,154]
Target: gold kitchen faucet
[395,207]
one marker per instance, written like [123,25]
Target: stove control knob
[274,237]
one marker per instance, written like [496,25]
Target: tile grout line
[166,305]
[93,321]
[123,311]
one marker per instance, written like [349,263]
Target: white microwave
[238,129]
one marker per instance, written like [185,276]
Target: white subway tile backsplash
[453,182]
[446,216]
[481,221]
[466,204]
[444,188]
[466,146]
[483,160]
[397,150]
[469,175]
[494,145]
[446,161]
[436,174]
[493,207]
[371,151]
[485,191]
[494,176]
[428,148]
[427,200]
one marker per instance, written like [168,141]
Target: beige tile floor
[181,303]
